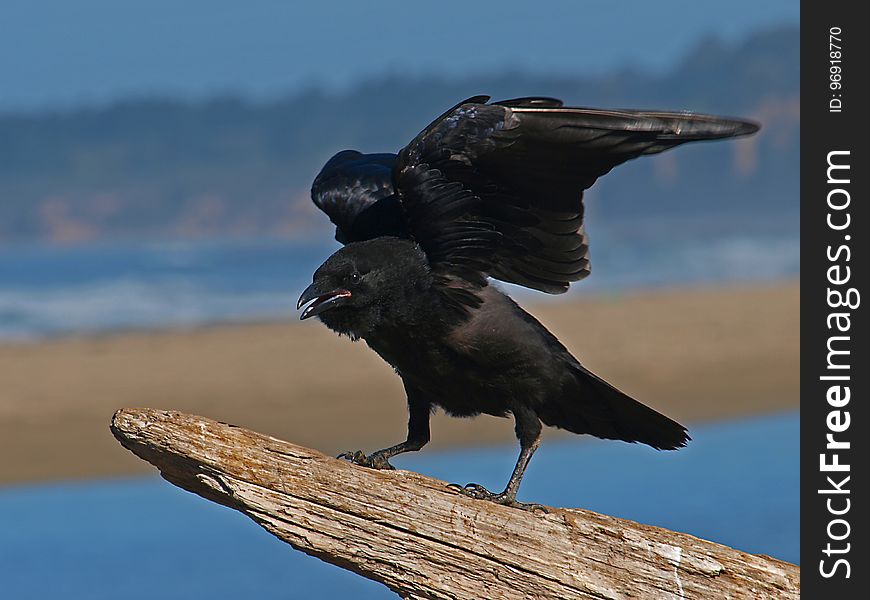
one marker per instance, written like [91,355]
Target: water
[51,290]
[736,483]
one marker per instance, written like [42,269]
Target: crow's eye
[355,277]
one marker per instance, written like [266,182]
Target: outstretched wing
[356,191]
[496,189]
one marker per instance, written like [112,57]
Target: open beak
[320,302]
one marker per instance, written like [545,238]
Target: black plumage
[486,191]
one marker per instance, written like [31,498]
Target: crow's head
[366,284]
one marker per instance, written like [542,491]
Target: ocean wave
[28,313]
[52,291]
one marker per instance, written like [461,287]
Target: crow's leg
[418,436]
[528,428]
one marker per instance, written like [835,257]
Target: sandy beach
[696,354]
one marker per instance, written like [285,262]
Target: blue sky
[56,53]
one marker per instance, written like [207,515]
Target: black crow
[485,191]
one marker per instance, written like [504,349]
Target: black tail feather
[597,408]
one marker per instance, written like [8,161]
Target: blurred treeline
[228,166]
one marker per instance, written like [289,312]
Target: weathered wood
[423,540]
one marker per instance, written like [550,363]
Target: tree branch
[423,540]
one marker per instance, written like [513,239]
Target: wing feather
[517,169]
[356,192]
[496,190]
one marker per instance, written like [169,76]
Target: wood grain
[423,540]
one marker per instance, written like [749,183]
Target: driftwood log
[424,540]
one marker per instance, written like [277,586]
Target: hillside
[161,167]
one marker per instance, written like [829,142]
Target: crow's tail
[595,407]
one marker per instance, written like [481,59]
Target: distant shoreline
[695,353]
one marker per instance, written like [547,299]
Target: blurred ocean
[50,290]
[736,483]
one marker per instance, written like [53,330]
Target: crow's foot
[474,490]
[376,460]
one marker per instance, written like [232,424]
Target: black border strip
[834,224]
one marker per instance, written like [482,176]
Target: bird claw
[477,491]
[531,507]
[354,457]
[375,461]
[474,490]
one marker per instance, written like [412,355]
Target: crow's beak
[321,302]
